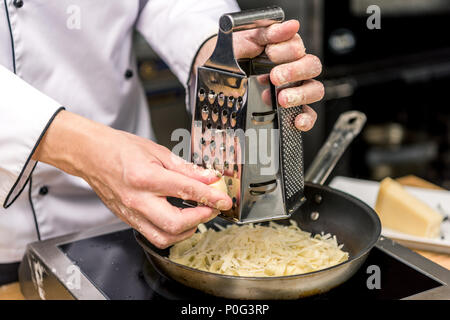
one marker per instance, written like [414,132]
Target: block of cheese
[399,210]
[220,185]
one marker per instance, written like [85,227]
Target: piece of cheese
[401,211]
[220,185]
[233,185]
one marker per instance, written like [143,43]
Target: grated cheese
[258,251]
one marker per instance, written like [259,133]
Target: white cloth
[74,54]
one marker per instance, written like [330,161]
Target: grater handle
[223,56]
[347,127]
[251,19]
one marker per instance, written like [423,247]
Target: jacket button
[43,190]
[18,3]
[128,74]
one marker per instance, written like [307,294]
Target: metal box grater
[239,130]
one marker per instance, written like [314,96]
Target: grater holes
[221,99]
[230,102]
[233,118]
[201,94]
[215,114]
[292,159]
[205,112]
[239,102]
[211,97]
[224,116]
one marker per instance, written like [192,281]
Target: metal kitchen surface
[113,266]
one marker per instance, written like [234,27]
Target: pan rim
[361,254]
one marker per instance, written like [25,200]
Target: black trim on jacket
[13,49]
[8,203]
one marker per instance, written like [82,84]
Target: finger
[305,68]
[173,220]
[263,79]
[277,32]
[305,121]
[177,164]
[251,43]
[174,184]
[163,240]
[286,51]
[140,218]
[155,235]
[266,97]
[310,91]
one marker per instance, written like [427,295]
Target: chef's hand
[133,176]
[284,46]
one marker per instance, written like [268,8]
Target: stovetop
[113,266]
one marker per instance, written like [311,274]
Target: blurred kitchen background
[398,75]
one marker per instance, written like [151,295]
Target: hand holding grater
[239,130]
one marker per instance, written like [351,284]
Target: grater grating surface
[291,151]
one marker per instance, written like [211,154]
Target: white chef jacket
[74,54]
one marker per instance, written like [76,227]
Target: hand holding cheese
[133,176]
[401,211]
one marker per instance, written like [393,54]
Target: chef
[76,144]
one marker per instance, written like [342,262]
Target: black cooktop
[117,267]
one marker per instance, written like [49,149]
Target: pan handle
[347,127]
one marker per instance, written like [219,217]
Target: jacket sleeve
[177,29]
[25,115]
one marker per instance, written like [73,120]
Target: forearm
[70,143]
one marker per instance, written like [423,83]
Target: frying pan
[354,223]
